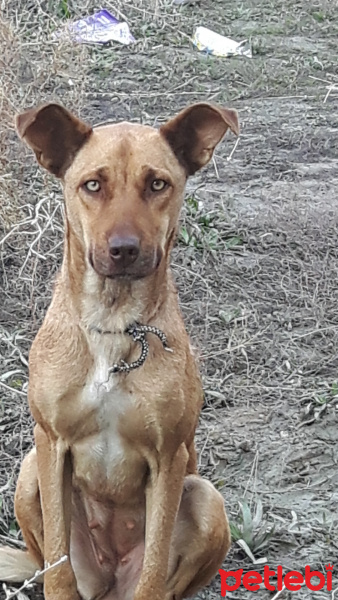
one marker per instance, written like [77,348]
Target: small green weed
[229,314]
[63,9]
[200,229]
[328,396]
[251,531]
[319,16]
[233,242]
[14,528]
[17,384]
[319,404]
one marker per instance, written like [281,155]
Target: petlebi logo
[292,580]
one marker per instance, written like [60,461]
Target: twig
[278,593]
[332,88]
[215,167]
[233,150]
[38,574]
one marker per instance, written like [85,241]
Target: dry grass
[257,259]
[32,71]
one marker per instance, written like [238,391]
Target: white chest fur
[103,461]
[104,396]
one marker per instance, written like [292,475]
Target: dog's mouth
[145,264]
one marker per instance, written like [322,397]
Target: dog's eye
[157,185]
[92,185]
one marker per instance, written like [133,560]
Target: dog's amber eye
[92,185]
[157,185]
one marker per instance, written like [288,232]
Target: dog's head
[124,182]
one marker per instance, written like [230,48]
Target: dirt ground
[256,262]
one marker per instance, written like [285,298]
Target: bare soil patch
[256,263]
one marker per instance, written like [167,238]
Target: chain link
[138,333]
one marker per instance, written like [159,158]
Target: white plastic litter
[100,28]
[208,41]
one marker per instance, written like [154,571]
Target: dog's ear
[195,132]
[54,134]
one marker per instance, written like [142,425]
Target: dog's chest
[105,464]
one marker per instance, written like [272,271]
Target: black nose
[124,250]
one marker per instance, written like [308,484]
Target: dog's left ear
[195,132]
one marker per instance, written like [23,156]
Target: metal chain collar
[138,333]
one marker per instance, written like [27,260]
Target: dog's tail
[17,565]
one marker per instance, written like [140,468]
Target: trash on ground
[218,45]
[99,28]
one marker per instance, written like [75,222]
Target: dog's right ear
[54,134]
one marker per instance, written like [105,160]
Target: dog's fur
[112,481]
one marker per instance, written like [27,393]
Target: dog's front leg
[55,484]
[163,496]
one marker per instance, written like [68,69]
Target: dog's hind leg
[201,539]
[19,565]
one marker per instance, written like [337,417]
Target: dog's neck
[112,304]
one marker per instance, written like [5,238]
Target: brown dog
[112,482]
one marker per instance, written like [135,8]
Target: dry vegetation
[257,258]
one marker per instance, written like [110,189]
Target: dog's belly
[108,469]
[107,547]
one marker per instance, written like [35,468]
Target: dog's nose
[124,250]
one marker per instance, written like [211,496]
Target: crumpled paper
[213,43]
[100,28]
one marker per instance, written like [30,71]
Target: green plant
[17,384]
[229,314]
[251,531]
[319,16]
[202,228]
[63,9]
[14,528]
[327,396]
